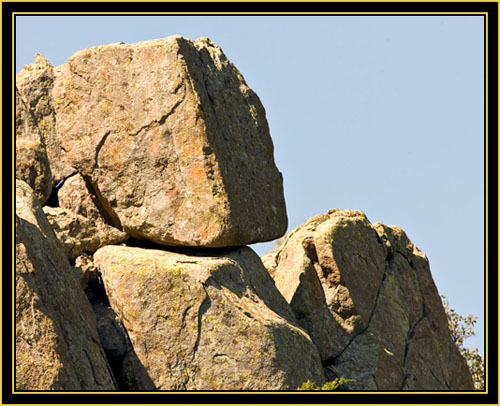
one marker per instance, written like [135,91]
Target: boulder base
[207,323]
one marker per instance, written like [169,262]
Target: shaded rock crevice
[125,366]
[103,206]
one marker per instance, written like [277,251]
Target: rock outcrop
[178,153]
[128,370]
[57,345]
[207,322]
[366,296]
[162,147]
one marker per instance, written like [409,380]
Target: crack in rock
[99,147]
[204,306]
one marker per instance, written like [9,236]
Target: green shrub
[332,385]
[461,328]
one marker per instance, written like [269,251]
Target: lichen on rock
[32,163]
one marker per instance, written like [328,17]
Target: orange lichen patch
[197,171]
[203,233]
[191,144]
[154,149]
[213,226]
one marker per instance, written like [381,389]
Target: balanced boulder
[57,345]
[366,296]
[207,322]
[168,137]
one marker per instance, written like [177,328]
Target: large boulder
[207,322]
[57,345]
[168,137]
[366,296]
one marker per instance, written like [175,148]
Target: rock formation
[57,345]
[162,147]
[366,296]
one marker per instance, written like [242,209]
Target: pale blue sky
[379,114]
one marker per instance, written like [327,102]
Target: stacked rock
[155,169]
[162,146]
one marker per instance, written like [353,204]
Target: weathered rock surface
[74,195]
[32,163]
[35,83]
[178,153]
[79,234]
[57,345]
[366,296]
[207,322]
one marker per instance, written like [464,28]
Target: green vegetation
[462,328]
[332,385]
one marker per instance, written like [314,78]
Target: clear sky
[379,114]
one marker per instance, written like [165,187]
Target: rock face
[207,323]
[74,195]
[57,345]
[178,153]
[366,296]
[32,163]
[35,83]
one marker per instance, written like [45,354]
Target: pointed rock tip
[40,59]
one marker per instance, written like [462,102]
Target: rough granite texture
[57,345]
[207,323]
[79,234]
[35,83]
[32,163]
[74,195]
[366,296]
[168,137]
